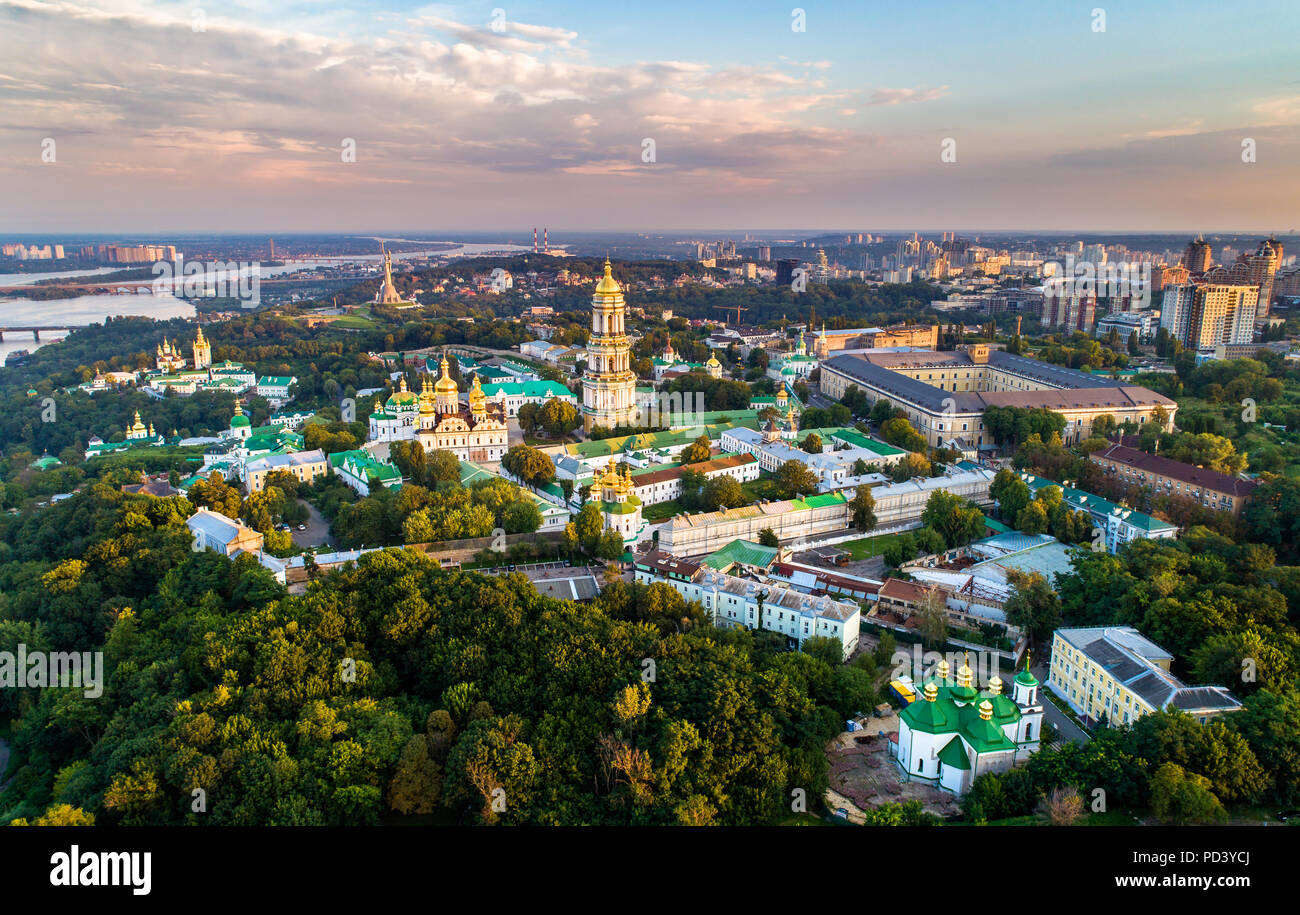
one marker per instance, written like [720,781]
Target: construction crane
[736,308]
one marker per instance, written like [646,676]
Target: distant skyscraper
[764,253]
[1198,257]
[785,270]
[1260,269]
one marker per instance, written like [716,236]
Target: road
[318,529]
[1055,717]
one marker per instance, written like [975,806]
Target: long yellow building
[945,394]
[1115,674]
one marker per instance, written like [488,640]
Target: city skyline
[476,117]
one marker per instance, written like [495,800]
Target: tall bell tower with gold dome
[608,384]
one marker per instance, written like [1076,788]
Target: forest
[390,690]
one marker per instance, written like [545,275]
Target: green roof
[1080,499]
[546,389]
[744,552]
[935,717]
[1025,678]
[982,734]
[374,471]
[621,508]
[824,499]
[472,473]
[858,440]
[954,754]
[646,441]
[1004,710]
[997,526]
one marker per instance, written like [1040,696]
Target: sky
[136,116]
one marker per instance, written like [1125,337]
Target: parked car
[302,527]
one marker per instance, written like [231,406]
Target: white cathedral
[440,422]
[954,733]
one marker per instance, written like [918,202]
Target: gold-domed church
[619,505]
[168,358]
[608,384]
[475,432]
[955,733]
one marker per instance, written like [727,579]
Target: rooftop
[1131,658]
[1176,470]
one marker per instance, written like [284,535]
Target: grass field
[869,546]
[762,488]
[661,510]
[353,322]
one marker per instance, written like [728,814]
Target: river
[80,311]
[92,309]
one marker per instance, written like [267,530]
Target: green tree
[1182,798]
[696,451]
[528,464]
[862,509]
[1033,606]
[794,479]
[958,520]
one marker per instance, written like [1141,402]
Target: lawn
[869,546]
[353,322]
[661,511]
[762,488]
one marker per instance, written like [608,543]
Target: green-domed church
[954,732]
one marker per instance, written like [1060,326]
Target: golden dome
[608,285]
[477,399]
[713,362]
[942,670]
[986,710]
[995,686]
[445,385]
[426,398]
[964,674]
[931,692]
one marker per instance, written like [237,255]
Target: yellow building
[945,394]
[1117,675]
[303,466]
[476,433]
[608,384]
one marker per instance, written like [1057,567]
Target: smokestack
[1019,318]
[546,244]
[534,239]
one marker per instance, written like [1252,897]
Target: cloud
[1281,110]
[904,96]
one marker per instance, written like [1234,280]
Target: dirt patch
[863,774]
